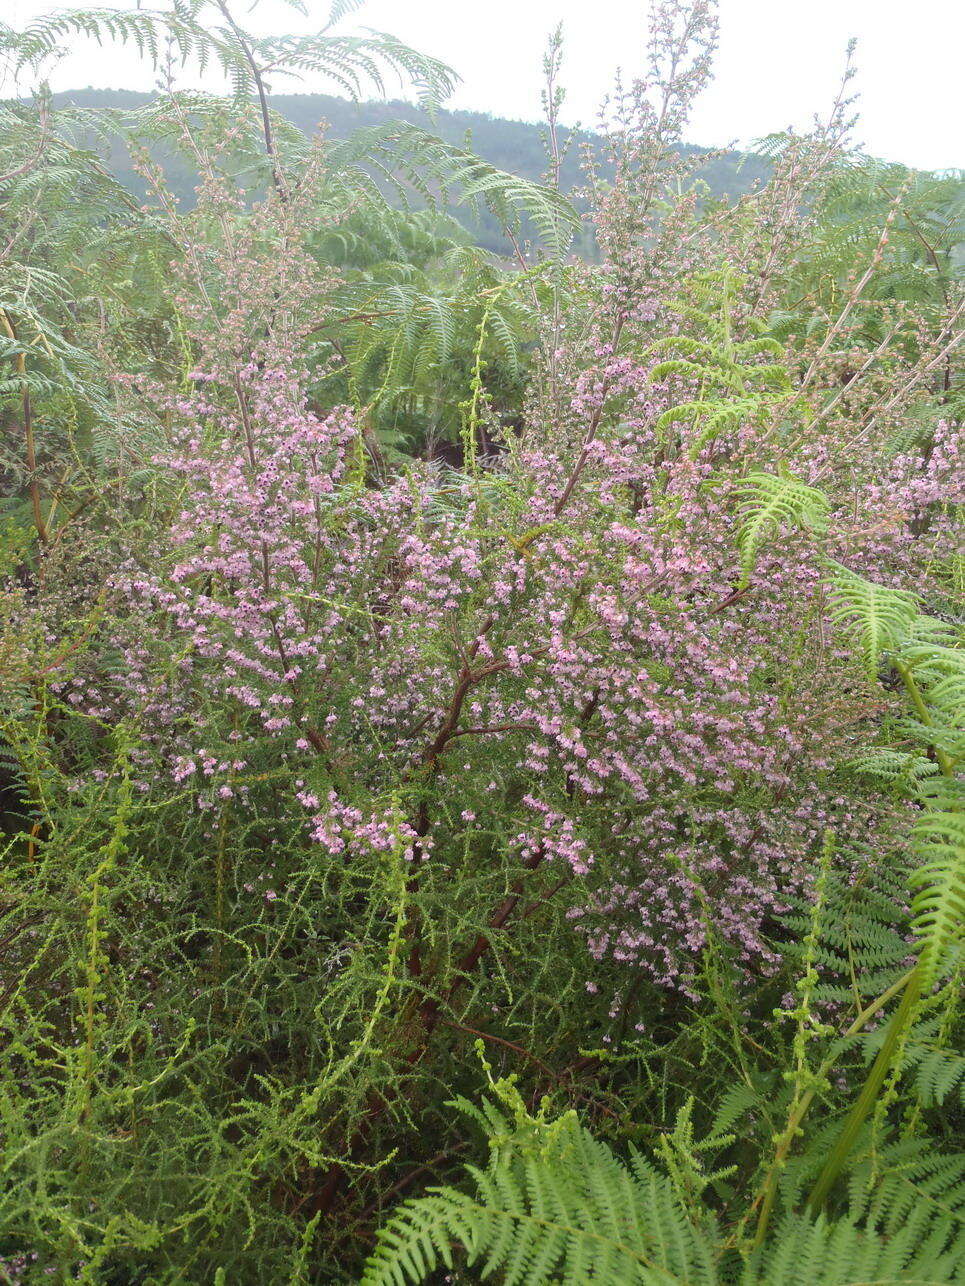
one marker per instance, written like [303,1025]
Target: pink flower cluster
[505,664]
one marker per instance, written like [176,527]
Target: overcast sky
[779,61]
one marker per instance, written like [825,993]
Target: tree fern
[919,265]
[404,153]
[192,32]
[433,310]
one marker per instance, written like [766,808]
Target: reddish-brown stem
[465,681]
[249,57]
[542,899]
[734,597]
[501,1040]
[493,727]
[590,434]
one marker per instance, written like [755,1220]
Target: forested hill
[515,146]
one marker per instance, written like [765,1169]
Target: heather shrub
[607,743]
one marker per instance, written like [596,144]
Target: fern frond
[844,1252]
[434,166]
[937,1071]
[879,619]
[559,1209]
[891,766]
[910,1182]
[769,504]
[939,904]
[557,1206]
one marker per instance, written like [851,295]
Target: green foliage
[862,935]
[415,325]
[770,504]
[434,167]
[188,31]
[939,883]
[555,1204]
[227,1042]
[924,663]
[734,386]
[886,625]
[924,249]
[878,618]
[510,146]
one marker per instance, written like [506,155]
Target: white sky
[779,61]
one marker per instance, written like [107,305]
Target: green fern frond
[557,1208]
[938,1074]
[891,766]
[430,163]
[555,1205]
[863,943]
[879,619]
[939,904]
[910,1182]
[844,1252]
[679,366]
[349,61]
[770,503]
[936,1071]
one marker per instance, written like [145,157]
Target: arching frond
[769,504]
[405,153]
[938,908]
[877,618]
[192,34]
[555,1205]
[563,1209]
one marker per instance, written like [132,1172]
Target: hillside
[515,146]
